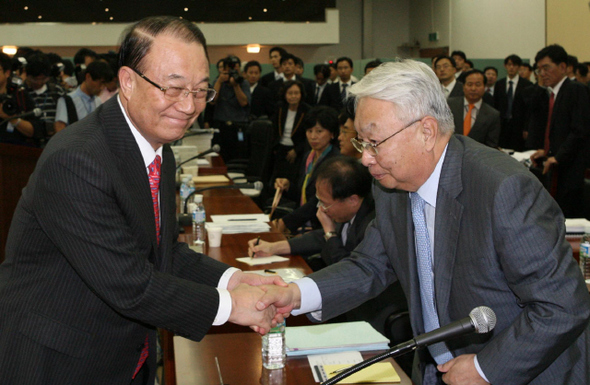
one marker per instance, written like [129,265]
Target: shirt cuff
[311,298]
[477,367]
[225,307]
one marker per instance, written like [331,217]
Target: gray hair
[412,87]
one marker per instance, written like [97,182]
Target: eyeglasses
[372,148]
[178,94]
[322,205]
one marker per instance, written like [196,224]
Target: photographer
[13,101]
[232,108]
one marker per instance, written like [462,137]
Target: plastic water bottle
[198,220]
[185,190]
[274,348]
[585,255]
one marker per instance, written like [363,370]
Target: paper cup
[214,234]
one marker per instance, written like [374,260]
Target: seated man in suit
[460,225]
[444,67]
[472,116]
[345,209]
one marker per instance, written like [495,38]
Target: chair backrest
[260,133]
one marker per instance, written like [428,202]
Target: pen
[218,371]
[245,219]
[270,271]
[256,244]
[341,370]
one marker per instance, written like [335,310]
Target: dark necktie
[317,94]
[343,93]
[548,129]
[510,99]
[154,178]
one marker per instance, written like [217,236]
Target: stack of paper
[241,223]
[576,225]
[288,274]
[331,338]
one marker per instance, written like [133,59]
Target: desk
[240,361]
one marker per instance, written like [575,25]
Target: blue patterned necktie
[343,93]
[439,351]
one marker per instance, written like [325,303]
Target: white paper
[237,218]
[288,275]
[262,260]
[344,358]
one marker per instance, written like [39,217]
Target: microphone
[215,148]
[185,219]
[35,112]
[481,320]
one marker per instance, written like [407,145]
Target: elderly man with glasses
[93,265]
[460,225]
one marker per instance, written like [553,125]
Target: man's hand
[266,249]
[284,299]
[282,184]
[549,164]
[244,301]
[252,279]
[536,156]
[461,370]
[291,156]
[280,225]
[327,222]
[223,76]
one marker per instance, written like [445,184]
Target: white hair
[412,87]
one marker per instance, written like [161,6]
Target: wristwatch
[329,235]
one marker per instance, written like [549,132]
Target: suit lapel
[558,100]
[167,206]
[130,165]
[447,226]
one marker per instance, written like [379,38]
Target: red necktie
[154,178]
[547,130]
[467,121]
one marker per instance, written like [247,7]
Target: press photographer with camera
[14,101]
[232,109]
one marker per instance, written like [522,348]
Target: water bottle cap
[198,198]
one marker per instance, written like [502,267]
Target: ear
[429,132]
[354,199]
[126,81]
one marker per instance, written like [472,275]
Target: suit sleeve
[537,264]
[579,126]
[90,227]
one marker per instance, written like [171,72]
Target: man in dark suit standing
[460,225]
[472,116]
[444,67]
[322,75]
[288,67]
[93,265]
[262,103]
[337,92]
[560,130]
[275,55]
[509,100]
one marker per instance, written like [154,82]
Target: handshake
[261,302]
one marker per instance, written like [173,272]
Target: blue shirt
[84,104]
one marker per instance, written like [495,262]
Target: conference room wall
[483,29]
[568,23]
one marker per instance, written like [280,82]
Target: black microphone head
[216,148]
[483,319]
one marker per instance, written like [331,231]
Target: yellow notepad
[376,373]
[210,179]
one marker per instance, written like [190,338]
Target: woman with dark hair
[321,130]
[289,135]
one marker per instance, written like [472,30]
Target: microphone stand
[396,351]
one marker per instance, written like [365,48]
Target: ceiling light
[253,48]
[9,49]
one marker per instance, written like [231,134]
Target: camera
[10,105]
[230,63]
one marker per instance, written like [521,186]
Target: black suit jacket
[457,90]
[297,133]
[84,280]
[486,128]
[262,102]
[568,138]
[331,96]
[267,79]
[513,127]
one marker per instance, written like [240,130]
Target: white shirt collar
[429,190]
[477,104]
[253,87]
[41,90]
[450,86]
[147,151]
[556,89]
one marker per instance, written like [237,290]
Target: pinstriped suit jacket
[84,280]
[499,242]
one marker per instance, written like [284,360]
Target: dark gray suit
[499,242]
[84,280]
[485,130]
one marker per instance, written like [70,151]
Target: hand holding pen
[259,248]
